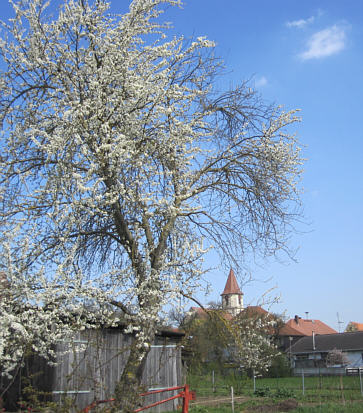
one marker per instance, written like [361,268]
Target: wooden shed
[89,365]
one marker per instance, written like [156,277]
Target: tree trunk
[128,389]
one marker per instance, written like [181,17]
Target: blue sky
[307,55]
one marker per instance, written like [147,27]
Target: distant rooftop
[231,285]
[304,327]
[326,342]
[356,326]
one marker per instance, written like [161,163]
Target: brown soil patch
[284,406]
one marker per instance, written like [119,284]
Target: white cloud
[325,43]
[261,81]
[300,23]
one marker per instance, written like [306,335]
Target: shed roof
[231,285]
[326,342]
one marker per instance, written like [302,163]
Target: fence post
[303,381]
[342,388]
[254,381]
[360,380]
[232,399]
[186,399]
[213,381]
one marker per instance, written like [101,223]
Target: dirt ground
[284,406]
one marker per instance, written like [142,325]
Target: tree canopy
[247,341]
[121,163]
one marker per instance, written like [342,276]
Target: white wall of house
[355,358]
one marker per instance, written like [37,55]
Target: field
[276,408]
[314,394]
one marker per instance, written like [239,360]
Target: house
[353,326]
[89,365]
[310,354]
[296,328]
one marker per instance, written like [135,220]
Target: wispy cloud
[261,81]
[300,23]
[325,43]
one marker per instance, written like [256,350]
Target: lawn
[269,408]
[321,394]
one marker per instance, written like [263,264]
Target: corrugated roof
[301,327]
[231,285]
[326,342]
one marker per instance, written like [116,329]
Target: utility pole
[339,322]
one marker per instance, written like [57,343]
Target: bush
[263,392]
[282,393]
[280,367]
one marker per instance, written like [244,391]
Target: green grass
[322,394]
[248,407]
[324,408]
[331,408]
[317,389]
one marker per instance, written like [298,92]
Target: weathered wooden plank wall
[90,365]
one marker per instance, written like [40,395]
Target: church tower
[232,296]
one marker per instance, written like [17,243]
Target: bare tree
[121,164]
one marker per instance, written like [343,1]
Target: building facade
[311,354]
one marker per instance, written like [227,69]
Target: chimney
[297,319]
[313,340]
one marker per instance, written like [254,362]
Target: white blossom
[121,166]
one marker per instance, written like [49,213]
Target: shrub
[263,392]
[282,393]
[280,367]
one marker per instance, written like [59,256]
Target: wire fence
[309,388]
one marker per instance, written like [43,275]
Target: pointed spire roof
[231,285]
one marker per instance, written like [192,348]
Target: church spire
[232,296]
[231,285]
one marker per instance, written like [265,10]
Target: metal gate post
[186,399]
[188,395]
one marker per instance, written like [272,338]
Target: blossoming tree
[255,345]
[120,165]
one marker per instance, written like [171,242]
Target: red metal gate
[185,394]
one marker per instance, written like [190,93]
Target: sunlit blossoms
[254,342]
[120,165]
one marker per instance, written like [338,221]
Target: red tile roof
[199,312]
[252,310]
[302,327]
[358,326]
[255,310]
[231,285]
